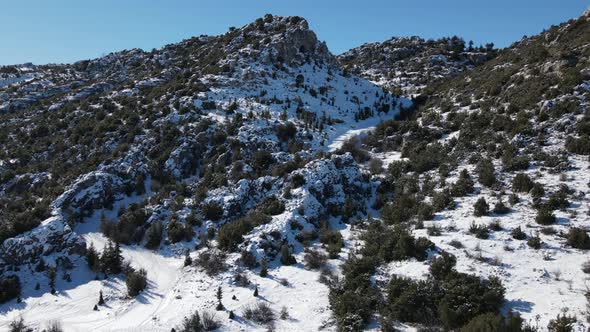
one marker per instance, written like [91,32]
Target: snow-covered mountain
[408,64]
[255,181]
[179,142]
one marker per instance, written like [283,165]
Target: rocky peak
[283,39]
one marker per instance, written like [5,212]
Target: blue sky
[43,31]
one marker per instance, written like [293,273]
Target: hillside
[255,181]
[215,141]
[493,169]
[409,64]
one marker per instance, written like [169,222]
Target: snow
[18,79]
[539,283]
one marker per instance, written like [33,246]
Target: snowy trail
[73,307]
[341,133]
[163,275]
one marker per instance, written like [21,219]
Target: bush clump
[545,217]
[260,313]
[578,238]
[522,183]
[10,288]
[136,282]
[481,207]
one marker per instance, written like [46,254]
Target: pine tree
[219,296]
[263,268]
[111,259]
[37,286]
[100,298]
[481,207]
[286,257]
[40,266]
[256,291]
[51,276]
[187,258]
[95,308]
[231,315]
[284,313]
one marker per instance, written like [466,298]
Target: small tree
[136,282]
[518,234]
[535,242]
[263,268]
[187,258]
[485,172]
[299,80]
[18,325]
[500,208]
[522,183]
[154,235]
[578,238]
[256,291]
[51,276]
[192,324]
[92,258]
[100,298]
[219,296]
[286,257]
[111,260]
[481,207]
[284,314]
[545,216]
[563,323]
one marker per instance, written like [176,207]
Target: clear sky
[61,31]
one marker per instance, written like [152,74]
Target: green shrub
[538,190]
[487,322]
[578,238]
[480,231]
[563,323]
[481,207]
[501,208]
[442,266]
[578,145]
[442,200]
[333,240]
[154,235]
[485,172]
[400,210]
[179,232]
[136,282]
[10,288]
[271,206]
[490,322]
[425,211]
[545,217]
[535,242]
[522,183]
[297,180]
[453,300]
[212,211]
[518,234]
[463,186]
[231,234]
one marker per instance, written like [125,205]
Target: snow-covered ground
[539,283]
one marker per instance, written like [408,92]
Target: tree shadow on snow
[518,306]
